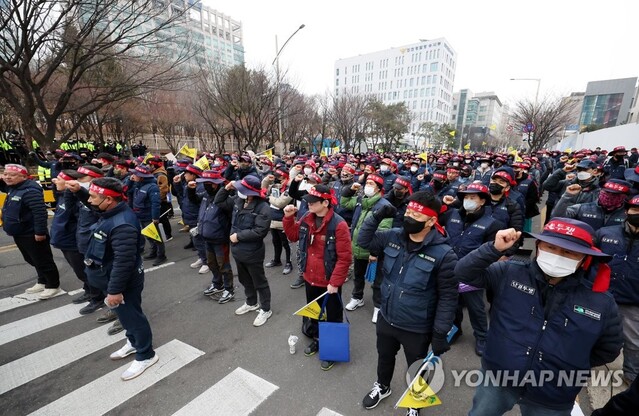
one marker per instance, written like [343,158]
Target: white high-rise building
[420,74]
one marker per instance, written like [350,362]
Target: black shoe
[151,256]
[227,296]
[91,307]
[312,348]
[376,395]
[212,290]
[327,365]
[109,316]
[159,260]
[288,268]
[85,297]
[298,283]
[188,246]
[273,263]
[480,347]
[115,328]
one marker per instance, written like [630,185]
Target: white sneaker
[204,269]
[354,304]
[246,308]
[123,352]
[262,317]
[38,287]
[49,293]
[197,264]
[375,312]
[138,367]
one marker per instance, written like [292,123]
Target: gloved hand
[439,344]
[387,211]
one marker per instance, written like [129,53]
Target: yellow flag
[467,146]
[423,156]
[202,163]
[493,127]
[48,196]
[483,143]
[336,149]
[187,151]
[3,196]
[311,310]
[452,133]
[151,231]
[323,153]
[568,150]
[418,395]
[269,153]
[147,157]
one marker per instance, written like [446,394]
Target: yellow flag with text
[152,232]
[187,151]
[418,395]
[269,153]
[202,163]
[147,157]
[311,310]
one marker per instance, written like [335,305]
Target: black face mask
[619,157]
[437,185]
[497,165]
[412,226]
[96,208]
[209,188]
[398,194]
[633,219]
[495,189]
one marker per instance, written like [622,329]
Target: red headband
[439,176]
[416,206]
[376,178]
[349,169]
[104,191]
[564,228]
[89,172]
[261,192]
[504,175]
[329,197]
[405,184]
[64,176]
[616,187]
[17,168]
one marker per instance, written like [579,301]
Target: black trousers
[39,255]
[359,280]
[253,278]
[389,339]
[166,224]
[132,318]
[334,309]
[280,241]
[76,261]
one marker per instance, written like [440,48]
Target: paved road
[54,361]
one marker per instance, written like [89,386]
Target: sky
[565,43]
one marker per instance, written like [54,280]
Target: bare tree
[348,118]
[73,57]
[302,120]
[388,124]
[549,118]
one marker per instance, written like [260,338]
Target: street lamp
[531,79]
[276,62]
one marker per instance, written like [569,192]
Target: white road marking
[76,292]
[36,323]
[22,299]
[327,412]
[23,370]
[239,393]
[152,269]
[109,391]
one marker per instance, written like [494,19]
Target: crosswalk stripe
[109,391]
[239,393]
[76,292]
[23,370]
[36,323]
[161,266]
[6,304]
[327,412]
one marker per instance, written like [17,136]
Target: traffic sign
[529,128]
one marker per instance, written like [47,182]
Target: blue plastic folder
[334,337]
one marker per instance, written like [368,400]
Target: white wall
[626,135]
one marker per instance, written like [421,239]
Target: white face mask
[467,161]
[369,190]
[556,266]
[484,165]
[584,176]
[308,171]
[413,169]
[401,161]
[470,205]
[305,186]
[241,195]
[383,168]
[85,185]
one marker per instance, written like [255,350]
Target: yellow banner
[48,196]
[3,196]
[187,151]
[202,163]
[423,156]
[269,153]
[418,395]
[151,231]
[322,153]
[311,309]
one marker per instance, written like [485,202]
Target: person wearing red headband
[278,197]
[362,207]
[162,178]
[419,288]
[552,319]
[325,245]
[24,217]
[621,241]
[114,265]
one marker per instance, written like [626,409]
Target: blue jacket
[191,199]
[592,214]
[114,255]
[63,226]
[213,223]
[337,186]
[623,246]
[146,201]
[86,216]
[419,287]
[24,212]
[537,327]
[467,232]
[389,180]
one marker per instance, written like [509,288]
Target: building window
[337,72]
[434,67]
